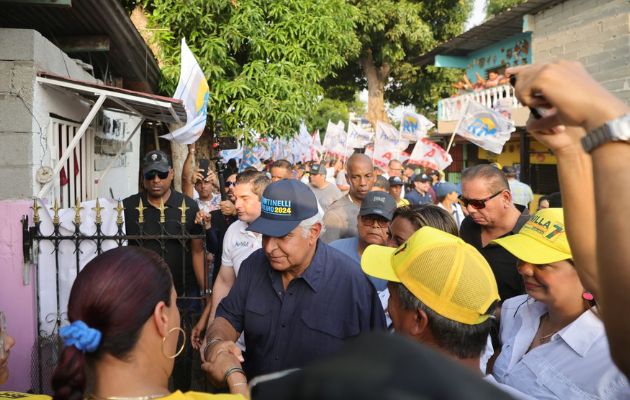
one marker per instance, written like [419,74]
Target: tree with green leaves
[393,33]
[494,7]
[263,59]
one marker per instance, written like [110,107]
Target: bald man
[340,219]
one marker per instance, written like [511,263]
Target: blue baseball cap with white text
[284,204]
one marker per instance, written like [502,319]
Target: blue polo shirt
[332,301]
[415,198]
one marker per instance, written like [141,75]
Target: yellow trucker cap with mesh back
[542,240]
[447,274]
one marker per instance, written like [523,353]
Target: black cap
[378,203]
[380,366]
[155,160]
[318,169]
[421,178]
[395,181]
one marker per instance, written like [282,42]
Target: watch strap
[596,137]
[616,130]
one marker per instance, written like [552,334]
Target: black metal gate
[46,351]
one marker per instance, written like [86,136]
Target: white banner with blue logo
[484,127]
[414,126]
[193,90]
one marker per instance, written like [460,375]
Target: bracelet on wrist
[207,345]
[231,371]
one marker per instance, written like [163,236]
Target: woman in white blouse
[553,342]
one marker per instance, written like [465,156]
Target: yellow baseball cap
[447,274]
[542,240]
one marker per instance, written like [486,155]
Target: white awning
[144,105]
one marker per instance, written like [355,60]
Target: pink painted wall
[17,301]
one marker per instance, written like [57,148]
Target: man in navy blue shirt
[420,193]
[296,299]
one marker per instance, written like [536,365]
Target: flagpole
[450,142]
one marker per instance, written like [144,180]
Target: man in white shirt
[325,192]
[238,243]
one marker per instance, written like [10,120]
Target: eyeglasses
[229,183]
[481,203]
[152,174]
[369,220]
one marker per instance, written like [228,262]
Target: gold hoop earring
[177,328]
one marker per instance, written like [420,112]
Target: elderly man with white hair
[296,299]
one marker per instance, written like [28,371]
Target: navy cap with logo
[395,181]
[378,203]
[155,160]
[284,204]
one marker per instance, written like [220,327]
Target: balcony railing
[451,109]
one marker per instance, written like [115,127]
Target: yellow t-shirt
[18,395]
[402,203]
[178,395]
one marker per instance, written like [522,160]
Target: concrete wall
[25,106]
[596,33]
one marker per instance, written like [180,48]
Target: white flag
[484,127]
[316,147]
[358,137]
[387,133]
[193,90]
[331,136]
[414,126]
[429,154]
[383,152]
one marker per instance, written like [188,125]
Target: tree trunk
[376,80]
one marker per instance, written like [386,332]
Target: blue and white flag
[236,154]
[193,90]
[484,127]
[414,126]
[250,160]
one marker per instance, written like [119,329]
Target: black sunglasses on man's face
[152,174]
[478,204]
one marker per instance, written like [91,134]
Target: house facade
[536,31]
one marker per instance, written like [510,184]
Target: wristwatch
[616,130]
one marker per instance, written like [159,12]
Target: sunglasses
[152,174]
[478,204]
[370,220]
[228,184]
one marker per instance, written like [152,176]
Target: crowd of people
[512,303]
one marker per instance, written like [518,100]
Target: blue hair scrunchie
[81,336]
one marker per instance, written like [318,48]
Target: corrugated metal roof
[497,28]
[129,57]
[150,106]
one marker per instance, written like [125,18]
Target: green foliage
[263,59]
[494,7]
[396,32]
[327,109]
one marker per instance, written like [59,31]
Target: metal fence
[46,351]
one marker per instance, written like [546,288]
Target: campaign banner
[414,126]
[484,127]
[429,154]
